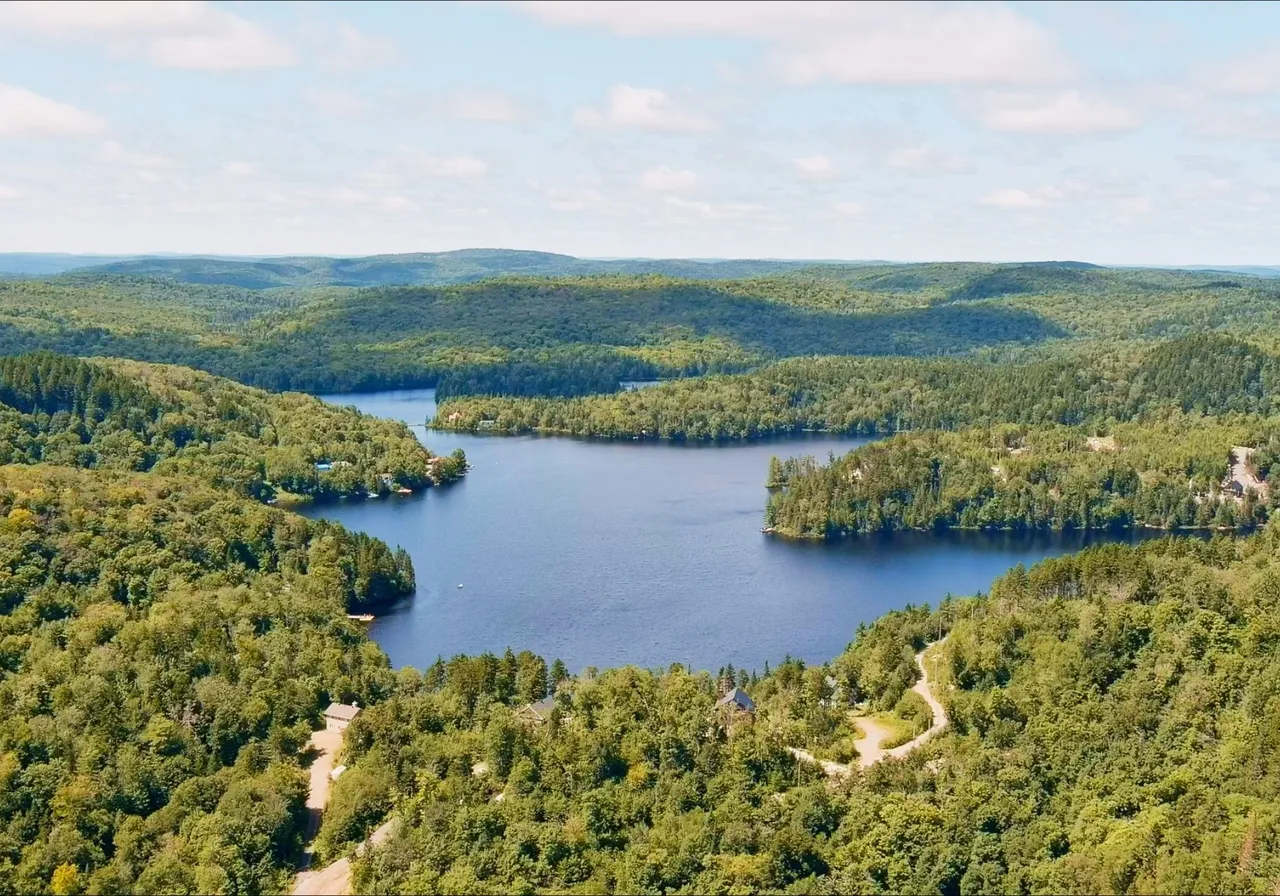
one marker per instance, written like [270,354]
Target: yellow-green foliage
[1162,471]
[165,649]
[1114,728]
[137,416]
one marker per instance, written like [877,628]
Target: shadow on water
[603,553]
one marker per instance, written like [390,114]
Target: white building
[339,715]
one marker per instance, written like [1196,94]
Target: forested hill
[128,415]
[570,336]
[1205,373]
[165,651]
[424,268]
[522,335]
[1114,728]
[1169,471]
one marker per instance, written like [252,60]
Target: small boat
[459,584]
[361,617]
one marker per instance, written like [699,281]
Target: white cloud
[356,50]
[1066,112]
[667,180]
[1250,73]
[184,34]
[643,109]
[816,167]
[720,210]
[1252,122]
[1012,198]
[355,198]
[575,199]
[338,103]
[397,205]
[851,209]
[460,167]
[115,154]
[8,194]
[852,43]
[241,169]
[926,159]
[1133,205]
[483,105]
[27,114]
[404,165]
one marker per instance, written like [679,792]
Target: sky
[1117,133]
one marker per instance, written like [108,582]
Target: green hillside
[132,416]
[1114,728]
[1078,382]
[421,268]
[1169,471]
[569,336]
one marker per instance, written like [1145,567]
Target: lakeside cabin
[537,712]
[737,701]
[339,715]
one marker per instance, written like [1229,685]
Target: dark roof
[739,698]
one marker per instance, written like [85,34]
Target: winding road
[334,879]
[876,733]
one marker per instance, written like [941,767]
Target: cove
[603,553]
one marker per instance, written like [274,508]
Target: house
[737,701]
[339,715]
[537,712]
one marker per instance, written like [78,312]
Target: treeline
[1209,373]
[330,340]
[1113,728]
[127,415]
[1159,472]
[335,339]
[165,651]
[563,373]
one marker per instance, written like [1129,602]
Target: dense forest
[1164,472]
[168,640]
[165,651]
[1113,729]
[1208,373]
[349,340]
[128,415]
[565,335]
[422,268]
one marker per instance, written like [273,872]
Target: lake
[603,553]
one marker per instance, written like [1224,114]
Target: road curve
[875,733]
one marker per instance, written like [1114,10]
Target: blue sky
[1139,133]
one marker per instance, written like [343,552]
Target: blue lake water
[604,553]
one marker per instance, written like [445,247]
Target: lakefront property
[339,715]
[665,448]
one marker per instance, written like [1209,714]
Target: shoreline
[786,535]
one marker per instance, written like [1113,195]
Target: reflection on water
[604,553]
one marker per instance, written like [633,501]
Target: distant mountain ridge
[456,266]
[410,269]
